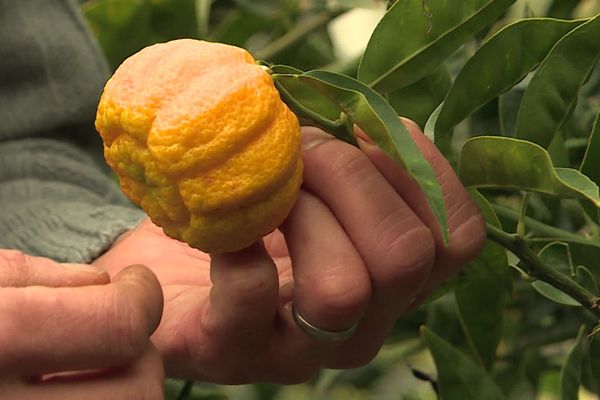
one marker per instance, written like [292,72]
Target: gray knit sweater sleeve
[56,196]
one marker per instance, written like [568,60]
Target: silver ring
[318,333]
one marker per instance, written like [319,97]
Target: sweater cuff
[69,232]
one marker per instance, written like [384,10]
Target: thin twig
[539,270]
[295,35]
[548,231]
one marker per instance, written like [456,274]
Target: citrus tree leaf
[458,376]
[306,95]
[419,100]
[415,36]
[586,278]
[552,293]
[552,93]
[500,162]
[370,111]
[501,62]
[594,362]
[557,256]
[482,300]
[590,165]
[508,109]
[570,374]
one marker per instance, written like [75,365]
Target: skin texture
[70,317]
[364,248]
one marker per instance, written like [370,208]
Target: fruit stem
[341,128]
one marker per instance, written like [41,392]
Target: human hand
[364,247]
[68,332]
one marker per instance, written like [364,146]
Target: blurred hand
[360,247]
[68,332]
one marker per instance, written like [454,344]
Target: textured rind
[200,139]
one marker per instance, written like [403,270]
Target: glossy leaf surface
[482,300]
[458,376]
[420,99]
[500,162]
[415,37]
[570,374]
[558,257]
[553,90]
[501,62]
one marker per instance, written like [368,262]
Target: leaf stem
[295,35]
[539,270]
[551,232]
[341,128]
[185,390]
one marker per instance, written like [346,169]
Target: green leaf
[570,374]
[369,110]
[500,162]
[458,376]
[590,165]
[420,99]
[415,36]
[594,362]
[556,255]
[501,62]
[508,109]
[305,94]
[558,151]
[562,8]
[482,300]
[554,294]
[553,90]
[586,278]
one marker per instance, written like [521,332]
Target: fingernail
[362,136]
[90,268]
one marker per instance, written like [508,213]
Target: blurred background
[331,35]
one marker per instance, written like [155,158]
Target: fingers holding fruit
[203,143]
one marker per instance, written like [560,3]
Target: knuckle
[14,269]
[469,239]
[346,295]
[245,290]
[351,164]
[411,254]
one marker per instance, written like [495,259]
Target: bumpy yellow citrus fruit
[201,140]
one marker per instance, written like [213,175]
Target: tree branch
[539,270]
[548,231]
